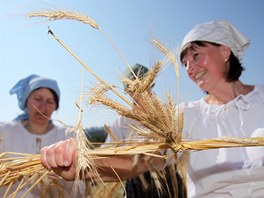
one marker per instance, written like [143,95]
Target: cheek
[203,62]
[32,106]
[51,108]
[190,76]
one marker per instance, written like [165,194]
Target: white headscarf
[221,32]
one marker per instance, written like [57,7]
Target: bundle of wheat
[20,171]
[25,167]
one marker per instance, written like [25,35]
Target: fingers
[60,158]
[69,153]
[60,154]
[43,157]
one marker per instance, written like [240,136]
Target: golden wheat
[26,166]
[170,56]
[64,14]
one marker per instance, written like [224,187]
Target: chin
[204,89]
[201,86]
[42,120]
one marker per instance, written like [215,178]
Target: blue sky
[26,48]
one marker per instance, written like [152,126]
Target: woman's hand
[61,157]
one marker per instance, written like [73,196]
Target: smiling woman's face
[41,104]
[206,65]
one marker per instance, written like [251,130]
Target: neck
[37,129]
[228,92]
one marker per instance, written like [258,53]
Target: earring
[226,60]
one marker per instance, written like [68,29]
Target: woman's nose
[190,66]
[43,104]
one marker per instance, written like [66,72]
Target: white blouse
[226,172]
[16,138]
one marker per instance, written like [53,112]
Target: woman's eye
[195,56]
[51,102]
[38,99]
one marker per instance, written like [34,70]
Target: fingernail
[66,163]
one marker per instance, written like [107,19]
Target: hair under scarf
[24,87]
[221,32]
[138,71]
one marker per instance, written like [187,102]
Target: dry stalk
[84,164]
[170,56]
[64,14]
[91,71]
[27,170]
[149,78]
[73,15]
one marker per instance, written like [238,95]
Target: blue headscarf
[24,87]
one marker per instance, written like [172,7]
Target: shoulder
[9,130]
[260,89]
[193,109]
[60,128]
[257,94]
[198,104]
[8,126]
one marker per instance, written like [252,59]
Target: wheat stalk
[64,14]
[170,56]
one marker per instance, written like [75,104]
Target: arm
[60,157]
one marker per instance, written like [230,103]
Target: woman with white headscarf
[38,97]
[211,53]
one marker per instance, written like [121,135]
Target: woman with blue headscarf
[38,97]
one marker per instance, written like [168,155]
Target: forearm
[119,168]
[61,158]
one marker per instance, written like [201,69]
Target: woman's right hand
[60,157]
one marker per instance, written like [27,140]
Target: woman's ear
[226,52]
